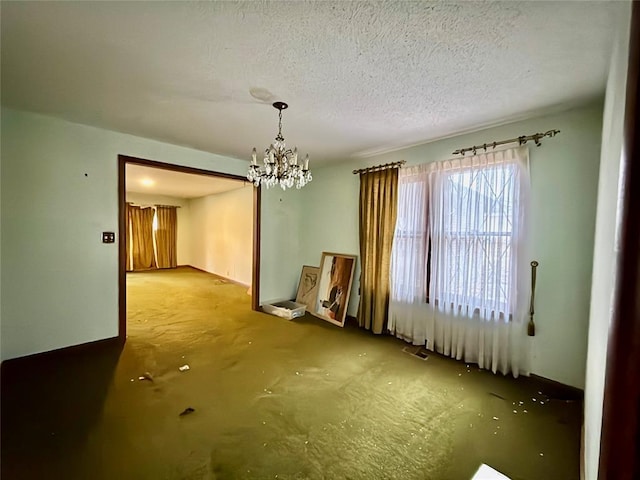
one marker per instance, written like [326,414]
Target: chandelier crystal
[281,165]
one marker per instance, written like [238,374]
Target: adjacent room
[179,227]
[424,281]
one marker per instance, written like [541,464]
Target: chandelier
[281,165]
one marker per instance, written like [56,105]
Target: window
[458,233]
[475,235]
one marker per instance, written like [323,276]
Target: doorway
[123,162]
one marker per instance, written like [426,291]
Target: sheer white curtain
[409,255]
[478,289]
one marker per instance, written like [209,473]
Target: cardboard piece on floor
[485,472]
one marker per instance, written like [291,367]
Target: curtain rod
[375,168]
[141,205]
[536,137]
[168,206]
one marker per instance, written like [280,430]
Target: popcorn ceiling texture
[360,77]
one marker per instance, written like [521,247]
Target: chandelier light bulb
[281,165]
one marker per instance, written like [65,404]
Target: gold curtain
[127,216]
[378,210]
[166,236]
[142,238]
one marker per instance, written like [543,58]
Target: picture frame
[308,286]
[334,287]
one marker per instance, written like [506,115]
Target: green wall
[52,216]
[60,283]
[564,175]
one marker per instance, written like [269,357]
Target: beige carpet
[298,399]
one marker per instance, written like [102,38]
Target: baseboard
[81,348]
[561,389]
[230,280]
[196,268]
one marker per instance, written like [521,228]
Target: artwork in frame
[308,286]
[334,287]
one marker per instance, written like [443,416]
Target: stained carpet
[271,398]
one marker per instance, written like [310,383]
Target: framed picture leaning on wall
[308,286]
[334,287]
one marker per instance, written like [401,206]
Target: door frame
[620,437]
[123,160]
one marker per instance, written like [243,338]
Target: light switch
[108,237]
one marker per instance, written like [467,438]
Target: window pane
[476,256]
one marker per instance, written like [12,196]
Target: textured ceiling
[157,181]
[360,77]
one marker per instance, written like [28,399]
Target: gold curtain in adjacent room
[166,237]
[127,216]
[378,210]
[142,238]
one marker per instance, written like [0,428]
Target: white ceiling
[157,181]
[360,77]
